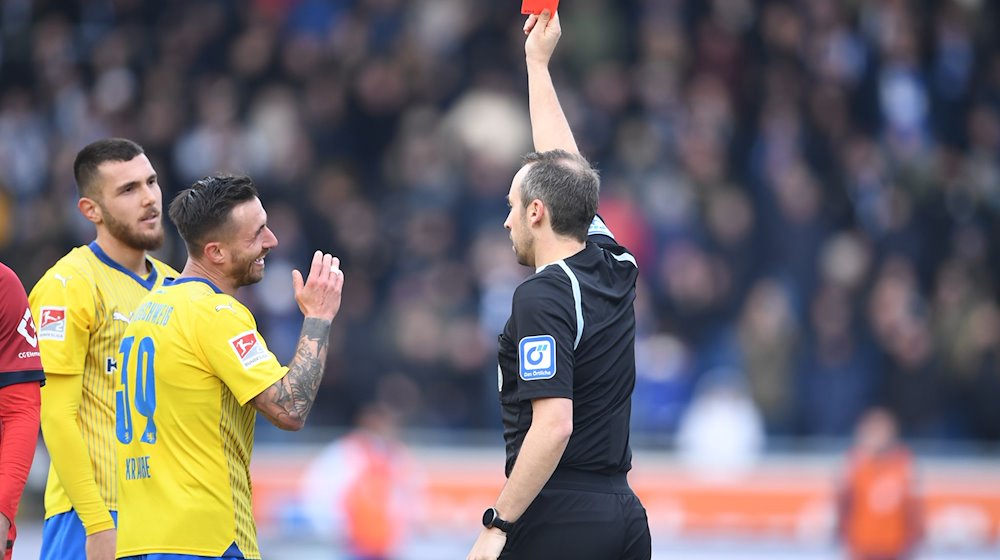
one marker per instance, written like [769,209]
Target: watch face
[488,516]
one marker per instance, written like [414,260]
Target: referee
[566,355]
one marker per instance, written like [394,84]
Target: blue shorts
[231,553]
[63,537]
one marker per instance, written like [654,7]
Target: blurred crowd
[811,187]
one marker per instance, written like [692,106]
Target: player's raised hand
[319,295]
[543,33]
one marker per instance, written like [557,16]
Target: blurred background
[811,189]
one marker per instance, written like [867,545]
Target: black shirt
[571,334]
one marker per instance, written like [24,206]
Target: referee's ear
[535,212]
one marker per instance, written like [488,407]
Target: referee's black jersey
[571,334]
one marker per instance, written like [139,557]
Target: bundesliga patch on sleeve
[52,323]
[537,357]
[598,227]
[248,348]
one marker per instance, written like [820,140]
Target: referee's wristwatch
[492,519]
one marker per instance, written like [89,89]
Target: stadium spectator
[741,139]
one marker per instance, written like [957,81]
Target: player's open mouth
[151,218]
[259,262]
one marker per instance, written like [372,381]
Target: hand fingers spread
[327,264]
[317,265]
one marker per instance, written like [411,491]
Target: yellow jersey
[82,306]
[191,360]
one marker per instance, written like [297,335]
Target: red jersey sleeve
[20,360]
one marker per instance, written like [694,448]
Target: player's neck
[555,248]
[129,257]
[194,269]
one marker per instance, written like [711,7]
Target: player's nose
[270,240]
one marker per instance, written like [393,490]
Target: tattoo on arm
[293,395]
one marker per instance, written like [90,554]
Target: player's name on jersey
[137,468]
[155,313]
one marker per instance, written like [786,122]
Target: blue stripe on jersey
[147,283]
[174,281]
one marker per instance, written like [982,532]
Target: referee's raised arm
[549,127]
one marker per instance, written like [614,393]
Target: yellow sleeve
[60,404]
[62,303]
[237,354]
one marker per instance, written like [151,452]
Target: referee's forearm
[549,128]
[543,447]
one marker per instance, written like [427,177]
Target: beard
[140,240]
[245,272]
[523,250]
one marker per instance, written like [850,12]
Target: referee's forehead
[518,180]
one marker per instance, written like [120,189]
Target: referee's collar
[557,261]
[544,266]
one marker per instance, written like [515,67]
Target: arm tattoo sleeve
[295,393]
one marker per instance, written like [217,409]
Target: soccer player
[82,305]
[566,355]
[194,372]
[20,377]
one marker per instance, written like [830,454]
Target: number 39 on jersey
[145,389]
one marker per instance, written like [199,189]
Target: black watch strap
[492,519]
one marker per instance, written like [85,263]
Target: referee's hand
[489,545]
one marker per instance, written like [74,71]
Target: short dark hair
[568,185]
[94,154]
[206,207]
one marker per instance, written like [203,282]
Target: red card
[536,6]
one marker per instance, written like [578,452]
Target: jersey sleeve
[19,358]
[238,355]
[62,304]
[545,319]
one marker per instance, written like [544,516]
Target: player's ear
[90,210]
[214,252]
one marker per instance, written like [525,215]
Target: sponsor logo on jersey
[248,348]
[26,328]
[52,323]
[537,357]
[119,316]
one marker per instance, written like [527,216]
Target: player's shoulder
[7,274]
[77,265]
[11,289]
[548,282]
[205,299]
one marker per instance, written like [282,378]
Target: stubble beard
[141,241]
